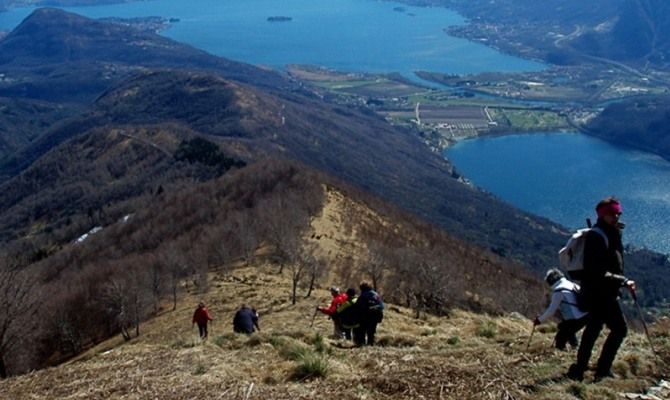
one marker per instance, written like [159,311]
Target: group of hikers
[355,316]
[244,321]
[588,299]
[591,299]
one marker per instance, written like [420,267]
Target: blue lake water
[348,35]
[562,176]
[559,176]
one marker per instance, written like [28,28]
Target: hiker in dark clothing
[201,317]
[564,300]
[346,314]
[245,320]
[601,283]
[369,309]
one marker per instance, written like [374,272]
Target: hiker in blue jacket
[246,318]
[563,299]
[601,284]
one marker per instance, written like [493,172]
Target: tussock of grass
[182,343]
[577,389]
[396,341]
[487,329]
[311,366]
[200,369]
[293,350]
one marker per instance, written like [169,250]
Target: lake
[559,176]
[563,175]
[348,35]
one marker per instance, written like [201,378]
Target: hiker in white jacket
[563,298]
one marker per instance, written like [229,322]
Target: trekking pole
[530,338]
[316,310]
[644,324]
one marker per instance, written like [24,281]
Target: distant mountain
[359,148]
[59,56]
[563,31]
[247,121]
[642,123]
[640,32]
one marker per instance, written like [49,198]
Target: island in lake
[279,18]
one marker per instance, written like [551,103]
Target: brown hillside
[464,356]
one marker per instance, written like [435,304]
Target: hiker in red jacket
[201,317]
[338,298]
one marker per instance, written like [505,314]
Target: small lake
[562,176]
[348,35]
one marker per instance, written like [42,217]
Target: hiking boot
[575,373]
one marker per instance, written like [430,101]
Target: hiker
[338,298]
[346,314]
[369,309]
[601,283]
[201,317]
[563,298]
[246,318]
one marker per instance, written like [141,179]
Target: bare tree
[283,222]
[316,269]
[245,229]
[18,305]
[375,267]
[125,299]
[175,267]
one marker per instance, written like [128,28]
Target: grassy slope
[463,356]
[431,357]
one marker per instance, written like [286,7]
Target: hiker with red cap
[338,298]
[201,317]
[601,283]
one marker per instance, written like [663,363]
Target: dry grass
[420,357]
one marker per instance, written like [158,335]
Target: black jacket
[603,265]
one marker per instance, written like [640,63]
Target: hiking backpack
[571,256]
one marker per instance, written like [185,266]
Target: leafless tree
[245,230]
[376,264]
[125,299]
[19,303]
[316,268]
[175,267]
[283,223]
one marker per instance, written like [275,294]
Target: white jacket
[563,298]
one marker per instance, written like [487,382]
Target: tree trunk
[174,297]
[295,289]
[311,285]
[3,368]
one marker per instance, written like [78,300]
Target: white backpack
[571,257]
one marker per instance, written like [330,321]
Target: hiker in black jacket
[369,309]
[602,280]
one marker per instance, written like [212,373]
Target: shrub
[487,330]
